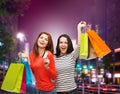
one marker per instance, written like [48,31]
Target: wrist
[47,68]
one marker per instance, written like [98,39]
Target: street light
[21,38]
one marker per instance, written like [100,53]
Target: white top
[65,66]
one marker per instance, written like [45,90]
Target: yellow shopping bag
[13,79]
[98,44]
[84,46]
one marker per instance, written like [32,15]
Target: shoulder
[49,53]
[77,46]
[31,53]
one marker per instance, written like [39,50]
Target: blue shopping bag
[28,71]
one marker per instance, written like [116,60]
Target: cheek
[38,43]
[59,46]
[46,43]
[67,45]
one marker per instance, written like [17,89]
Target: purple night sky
[56,17]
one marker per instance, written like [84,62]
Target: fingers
[82,24]
[22,54]
[46,61]
[19,54]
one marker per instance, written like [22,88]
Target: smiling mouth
[63,48]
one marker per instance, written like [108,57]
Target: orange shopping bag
[98,44]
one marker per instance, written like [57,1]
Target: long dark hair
[70,45]
[49,46]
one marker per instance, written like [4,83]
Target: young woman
[65,59]
[42,64]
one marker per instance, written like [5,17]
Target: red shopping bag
[23,85]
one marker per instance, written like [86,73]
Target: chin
[63,53]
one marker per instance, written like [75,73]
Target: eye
[61,42]
[66,42]
[46,39]
[41,37]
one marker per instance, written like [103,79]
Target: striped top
[65,66]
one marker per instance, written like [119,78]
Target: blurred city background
[22,20]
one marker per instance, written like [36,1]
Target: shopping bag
[30,80]
[98,44]
[84,46]
[23,85]
[28,71]
[91,52]
[13,79]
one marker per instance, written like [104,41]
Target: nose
[63,44]
[43,40]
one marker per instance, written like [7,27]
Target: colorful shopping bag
[13,79]
[98,44]
[23,85]
[84,46]
[28,71]
[91,52]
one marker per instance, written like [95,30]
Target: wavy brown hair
[49,46]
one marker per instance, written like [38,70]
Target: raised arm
[79,27]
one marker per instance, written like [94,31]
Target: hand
[79,28]
[19,54]
[22,54]
[46,63]
[82,24]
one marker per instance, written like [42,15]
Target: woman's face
[63,45]
[42,41]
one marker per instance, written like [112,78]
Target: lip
[41,43]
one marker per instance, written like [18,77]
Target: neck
[61,54]
[41,51]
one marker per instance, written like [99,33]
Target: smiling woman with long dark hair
[65,60]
